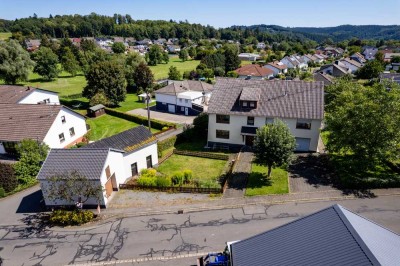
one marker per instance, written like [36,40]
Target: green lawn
[202,168]
[5,35]
[107,125]
[259,184]
[65,84]
[160,71]
[131,102]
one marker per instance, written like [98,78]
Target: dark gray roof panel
[123,140]
[89,162]
[321,238]
[282,99]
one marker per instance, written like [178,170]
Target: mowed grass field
[160,71]
[5,35]
[260,184]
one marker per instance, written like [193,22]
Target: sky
[221,13]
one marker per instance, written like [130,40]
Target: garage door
[171,108]
[302,144]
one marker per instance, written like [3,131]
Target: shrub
[177,178]
[147,181]
[163,181]
[148,173]
[165,144]
[64,217]
[187,176]
[8,180]
[2,192]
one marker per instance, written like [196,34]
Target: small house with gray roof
[109,162]
[239,107]
[27,95]
[332,236]
[188,97]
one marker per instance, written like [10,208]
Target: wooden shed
[96,110]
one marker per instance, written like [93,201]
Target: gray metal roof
[122,140]
[332,236]
[88,162]
[278,98]
[97,107]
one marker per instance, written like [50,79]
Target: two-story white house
[55,125]
[188,97]
[238,107]
[107,162]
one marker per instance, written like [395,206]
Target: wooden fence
[202,154]
[173,189]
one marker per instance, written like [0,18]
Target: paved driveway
[173,118]
[309,173]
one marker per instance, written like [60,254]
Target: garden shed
[96,110]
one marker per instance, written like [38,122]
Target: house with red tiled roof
[254,71]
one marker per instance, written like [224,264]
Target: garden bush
[187,176]
[64,217]
[177,179]
[8,179]
[147,181]
[165,144]
[163,181]
[2,192]
[148,173]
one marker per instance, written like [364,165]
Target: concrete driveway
[168,117]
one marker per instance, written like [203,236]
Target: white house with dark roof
[27,95]
[107,162]
[188,97]
[55,125]
[238,107]
[332,236]
[277,67]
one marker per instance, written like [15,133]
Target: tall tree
[107,77]
[15,63]
[183,54]
[46,63]
[364,121]
[143,77]
[274,145]
[69,63]
[232,61]
[370,70]
[118,48]
[173,73]
[132,60]
[155,55]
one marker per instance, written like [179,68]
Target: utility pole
[148,98]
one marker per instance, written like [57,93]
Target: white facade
[165,98]
[275,69]
[184,99]
[350,66]
[38,95]
[139,157]
[236,122]
[66,120]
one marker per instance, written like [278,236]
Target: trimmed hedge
[8,179]
[165,144]
[157,124]
[64,217]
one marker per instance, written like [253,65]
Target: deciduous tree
[274,145]
[69,62]
[46,63]
[183,55]
[370,70]
[15,63]
[173,73]
[118,48]
[143,77]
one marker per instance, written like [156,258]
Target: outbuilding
[96,110]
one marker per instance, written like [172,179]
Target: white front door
[171,108]
[186,111]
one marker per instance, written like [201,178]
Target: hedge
[157,124]
[165,144]
[8,180]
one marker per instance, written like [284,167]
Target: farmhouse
[55,125]
[188,97]
[27,95]
[108,162]
[238,107]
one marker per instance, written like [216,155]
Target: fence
[202,154]
[165,157]
[174,189]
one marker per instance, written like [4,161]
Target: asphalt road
[154,240]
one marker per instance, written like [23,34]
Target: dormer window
[252,104]
[244,104]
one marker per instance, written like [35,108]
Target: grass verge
[260,184]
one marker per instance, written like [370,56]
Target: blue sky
[223,13]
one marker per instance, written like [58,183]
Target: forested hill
[337,34]
[124,25]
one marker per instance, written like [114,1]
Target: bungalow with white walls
[27,95]
[55,125]
[107,162]
[238,107]
[277,67]
[188,97]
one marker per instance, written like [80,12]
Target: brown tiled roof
[26,121]
[186,85]
[250,94]
[278,98]
[254,70]
[13,93]
[277,65]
